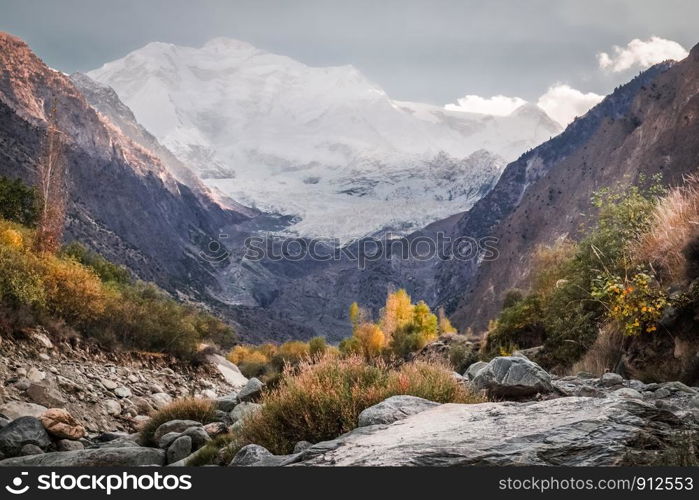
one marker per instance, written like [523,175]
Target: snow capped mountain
[324,144]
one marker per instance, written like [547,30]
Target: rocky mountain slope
[124,201]
[646,127]
[323,144]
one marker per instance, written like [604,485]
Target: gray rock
[569,431]
[122,392]
[627,392]
[96,457]
[121,442]
[244,410]
[68,445]
[249,455]
[4,422]
[21,431]
[694,402]
[166,440]
[251,391]
[161,399]
[112,407]
[228,402]
[473,370]
[46,395]
[393,409]
[611,379]
[585,375]
[179,449]
[16,409]
[30,449]
[509,376]
[174,426]
[301,446]
[678,387]
[662,393]
[110,385]
[214,429]
[198,435]
[22,384]
[590,392]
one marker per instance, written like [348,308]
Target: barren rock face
[572,431]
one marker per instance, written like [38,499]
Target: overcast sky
[431,51]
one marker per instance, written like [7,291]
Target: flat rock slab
[103,457]
[573,431]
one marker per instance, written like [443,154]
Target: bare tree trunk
[51,172]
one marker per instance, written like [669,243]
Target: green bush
[18,202]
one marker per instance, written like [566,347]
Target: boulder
[228,402]
[229,371]
[30,449]
[61,424]
[251,391]
[68,445]
[510,376]
[110,385]
[46,395]
[678,387]
[122,392]
[694,402]
[112,407]
[569,431]
[16,409]
[161,399]
[627,392]
[244,410]
[301,446]
[174,426]
[215,429]
[166,440]
[249,455]
[198,435]
[96,457]
[393,409]
[611,379]
[21,431]
[473,370]
[179,449]
[35,375]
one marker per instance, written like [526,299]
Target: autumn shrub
[73,292]
[317,347]
[320,401]
[674,224]
[106,270]
[196,409]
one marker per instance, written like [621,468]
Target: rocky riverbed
[533,418]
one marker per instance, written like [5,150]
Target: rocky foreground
[534,419]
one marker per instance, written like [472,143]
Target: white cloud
[563,103]
[641,53]
[498,105]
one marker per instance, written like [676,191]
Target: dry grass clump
[605,352]
[320,401]
[674,225]
[199,410]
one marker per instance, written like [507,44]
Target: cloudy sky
[487,55]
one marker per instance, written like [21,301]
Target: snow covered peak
[285,136]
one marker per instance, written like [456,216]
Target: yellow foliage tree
[397,313]
[11,238]
[445,326]
[372,340]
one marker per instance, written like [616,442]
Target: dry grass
[674,224]
[199,410]
[317,402]
[604,354]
